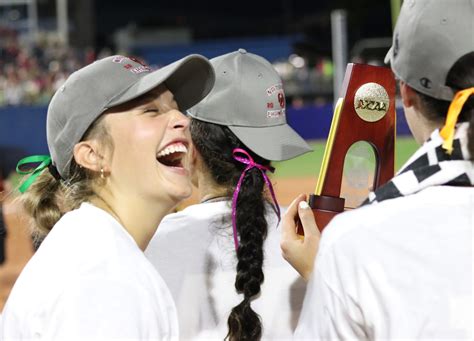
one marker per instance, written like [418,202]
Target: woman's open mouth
[172,155]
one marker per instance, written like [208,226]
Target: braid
[216,143]
[252,229]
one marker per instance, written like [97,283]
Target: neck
[139,217]
[428,129]
[208,189]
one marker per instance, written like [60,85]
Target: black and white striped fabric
[430,166]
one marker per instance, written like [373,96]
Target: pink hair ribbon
[248,160]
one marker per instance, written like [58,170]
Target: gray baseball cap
[248,98]
[111,81]
[429,37]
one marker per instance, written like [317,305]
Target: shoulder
[194,220]
[88,241]
[86,212]
[356,232]
[86,222]
[197,213]
[433,200]
[188,232]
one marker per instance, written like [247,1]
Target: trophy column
[366,112]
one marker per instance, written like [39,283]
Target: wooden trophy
[365,112]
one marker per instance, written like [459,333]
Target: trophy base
[324,209]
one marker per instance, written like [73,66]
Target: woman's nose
[179,120]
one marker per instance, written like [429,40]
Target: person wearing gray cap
[400,266]
[231,235]
[118,148]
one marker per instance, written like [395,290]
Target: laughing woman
[221,257]
[117,141]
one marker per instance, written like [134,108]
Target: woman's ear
[87,154]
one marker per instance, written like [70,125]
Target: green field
[309,164]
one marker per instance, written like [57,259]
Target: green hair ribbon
[43,160]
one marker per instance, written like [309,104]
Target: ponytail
[41,203]
[48,197]
[243,322]
[216,143]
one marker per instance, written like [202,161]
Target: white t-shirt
[89,280]
[194,252]
[399,269]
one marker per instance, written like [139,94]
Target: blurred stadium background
[308,42]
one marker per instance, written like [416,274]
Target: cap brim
[261,141]
[388,56]
[189,79]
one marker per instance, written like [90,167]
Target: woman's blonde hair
[48,199]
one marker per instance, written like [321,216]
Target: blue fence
[25,127]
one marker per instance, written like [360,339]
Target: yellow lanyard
[447,133]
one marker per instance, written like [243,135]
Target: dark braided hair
[460,76]
[216,143]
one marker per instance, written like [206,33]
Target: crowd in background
[31,73]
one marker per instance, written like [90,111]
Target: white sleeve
[329,313]
[101,308]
